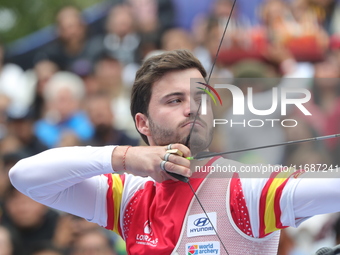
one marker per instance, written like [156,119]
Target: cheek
[156,113]
[209,121]
[209,116]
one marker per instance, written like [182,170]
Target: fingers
[177,160]
[153,161]
[174,160]
[178,169]
[184,149]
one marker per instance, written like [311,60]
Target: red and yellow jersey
[149,216]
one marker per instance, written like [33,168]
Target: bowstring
[211,70]
[195,118]
[206,214]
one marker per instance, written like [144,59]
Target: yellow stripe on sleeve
[117,191]
[269,218]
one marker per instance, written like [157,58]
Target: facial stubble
[164,136]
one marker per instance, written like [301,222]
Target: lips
[192,122]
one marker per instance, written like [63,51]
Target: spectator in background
[305,153]
[121,40]
[153,16]
[4,183]
[145,14]
[288,245]
[45,248]
[8,160]
[100,113]
[14,86]
[43,70]
[28,221]
[10,143]
[241,40]
[63,95]
[23,128]
[93,242]
[68,229]
[4,103]
[72,48]
[177,38]
[326,12]
[69,138]
[6,243]
[296,28]
[206,38]
[259,76]
[336,229]
[108,76]
[324,105]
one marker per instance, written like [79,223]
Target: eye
[198,98]
[174,101]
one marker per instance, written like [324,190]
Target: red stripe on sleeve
[277,208]
[277,199]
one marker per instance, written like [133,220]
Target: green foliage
[22,17]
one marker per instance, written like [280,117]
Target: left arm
[314,196]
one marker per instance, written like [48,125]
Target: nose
[192,108]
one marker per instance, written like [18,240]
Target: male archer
[128,190]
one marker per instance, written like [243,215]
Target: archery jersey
[154,218]
[165,218]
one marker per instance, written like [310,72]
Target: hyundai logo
[201,222]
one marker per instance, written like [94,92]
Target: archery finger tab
[175,151]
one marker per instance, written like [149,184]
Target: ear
[142,124]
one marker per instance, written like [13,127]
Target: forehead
[175,81]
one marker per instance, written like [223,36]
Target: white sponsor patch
[147,238]
[200,225]
[202,248]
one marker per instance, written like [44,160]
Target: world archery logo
[204,97]
[192,249]
[212,247]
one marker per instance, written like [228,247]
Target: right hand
[146,160]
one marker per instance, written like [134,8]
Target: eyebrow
[173,94]
[199,92]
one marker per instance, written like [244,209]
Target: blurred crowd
[78,88]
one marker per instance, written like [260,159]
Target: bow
[195,118]
[203,155]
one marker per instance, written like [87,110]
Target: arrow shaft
[319,138]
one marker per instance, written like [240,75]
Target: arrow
[204,154]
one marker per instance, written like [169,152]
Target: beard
[197,142]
